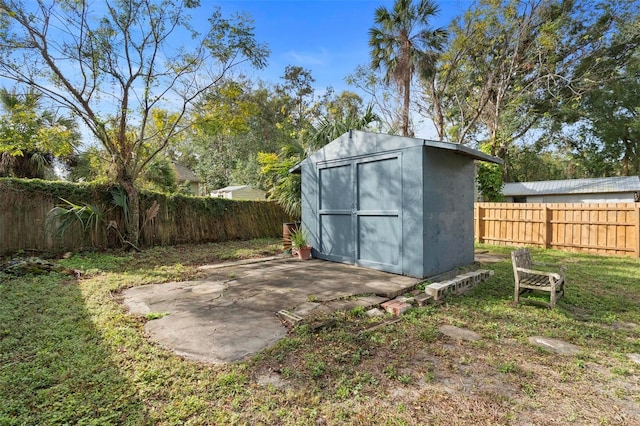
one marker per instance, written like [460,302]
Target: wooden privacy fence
[611,229]
[24,206]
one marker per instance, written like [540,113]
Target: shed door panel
[379,220]
[336,213]
[379,240]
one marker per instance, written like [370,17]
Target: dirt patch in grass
[405,375]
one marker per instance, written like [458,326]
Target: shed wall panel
[335,202]
[412,214]
[448,211]
[336,235]
[378,212]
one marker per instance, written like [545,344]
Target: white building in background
[620,189]
[240,192]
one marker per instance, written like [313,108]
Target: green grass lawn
[71,354]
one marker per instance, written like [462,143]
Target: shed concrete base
[231,314]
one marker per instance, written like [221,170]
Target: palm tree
[285,187]
[329,129]
[31,137]
[402,43]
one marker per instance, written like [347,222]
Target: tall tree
[30,136]
[402,43]
[112,64]
[232,123]
[510,63]
[611,113]
[385,102]
[298,86]
[604,121]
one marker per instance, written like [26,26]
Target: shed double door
[360,212]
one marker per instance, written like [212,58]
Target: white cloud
[319,57]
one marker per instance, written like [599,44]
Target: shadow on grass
[54,366]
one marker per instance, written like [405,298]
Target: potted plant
[300,245]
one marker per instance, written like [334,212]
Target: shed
[393,203]
[240,192]
[617,189]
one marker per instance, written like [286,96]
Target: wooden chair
[528,279]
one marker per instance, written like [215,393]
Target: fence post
[476,222]
[637,233]
[480,224]
[546,232]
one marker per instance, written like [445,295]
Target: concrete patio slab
[231,314]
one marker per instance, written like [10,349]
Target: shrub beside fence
[24,205]
[610,229]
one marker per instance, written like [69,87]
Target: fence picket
[611,229]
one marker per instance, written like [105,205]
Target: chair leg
[552,303]
[516,294]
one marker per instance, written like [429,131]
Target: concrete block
[461,284]
[470,280]
[451,286]
[423,299]
[485,273]
[437,290]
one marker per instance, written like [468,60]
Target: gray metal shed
[397,204]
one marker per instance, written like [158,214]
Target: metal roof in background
[231,188]
[573,186]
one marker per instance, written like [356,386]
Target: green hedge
[181,219]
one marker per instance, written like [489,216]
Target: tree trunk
[437,110]
[405,106]
[628,153]
[132,234]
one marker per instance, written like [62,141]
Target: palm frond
[119,198]
[151,213]
[63,217]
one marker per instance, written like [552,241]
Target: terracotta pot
[304,253]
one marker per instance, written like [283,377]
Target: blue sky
[328,37]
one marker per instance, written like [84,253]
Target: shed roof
[573,186]
[184,174]
[355,143]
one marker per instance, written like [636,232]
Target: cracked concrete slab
[231,314]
